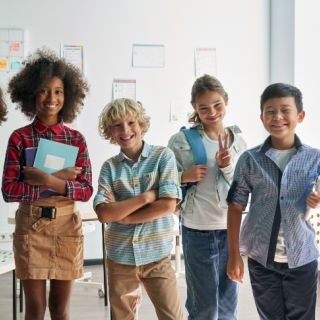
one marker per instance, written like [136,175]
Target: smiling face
[280,117]
[127,133]
[211,107]
[49,101]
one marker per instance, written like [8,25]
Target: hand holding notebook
[51,157]
[314,190]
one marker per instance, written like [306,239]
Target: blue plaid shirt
[276,196]
[140,243]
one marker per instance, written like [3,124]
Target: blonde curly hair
[121,109]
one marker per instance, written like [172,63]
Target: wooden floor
[86,303]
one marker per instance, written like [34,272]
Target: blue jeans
[211,295]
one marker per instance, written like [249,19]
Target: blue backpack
[199,153]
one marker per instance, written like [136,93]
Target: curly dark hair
[3,108]
[39,68]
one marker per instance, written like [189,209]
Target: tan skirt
[54,252]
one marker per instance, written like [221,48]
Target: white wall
[107,29]
[307,66]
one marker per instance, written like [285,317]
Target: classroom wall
[307,67]
[239,30]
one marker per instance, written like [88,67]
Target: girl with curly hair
[48,241]
[3,109]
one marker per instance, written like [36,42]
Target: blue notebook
[52,155]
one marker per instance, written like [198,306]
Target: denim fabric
[223,177]
[283,293]
[211,295]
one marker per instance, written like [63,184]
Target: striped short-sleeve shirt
[276,196]
[141,243]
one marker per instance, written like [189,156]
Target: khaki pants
[159,280]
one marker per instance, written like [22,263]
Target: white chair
[86,280]
[6,265]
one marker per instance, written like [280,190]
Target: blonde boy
[138,191]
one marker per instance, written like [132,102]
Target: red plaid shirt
[13,187]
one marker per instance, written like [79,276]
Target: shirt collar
[234,129]
[267,144]
[144,153]
[42,128]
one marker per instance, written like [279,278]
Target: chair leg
[104,269]
[14,295]
[21,296]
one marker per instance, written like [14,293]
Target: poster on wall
[12,46]
[148,56]
[180,110]
[124,88]
[205,62]
[74,55]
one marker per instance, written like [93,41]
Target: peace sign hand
[223,156]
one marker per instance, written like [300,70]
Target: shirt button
[281,198]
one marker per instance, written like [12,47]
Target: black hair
[3,108]
[280,90]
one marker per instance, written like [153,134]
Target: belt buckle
[49,212]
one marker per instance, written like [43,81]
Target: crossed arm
[55,181]
[25,185]
[142,208]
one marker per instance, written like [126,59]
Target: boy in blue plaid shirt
[279,242]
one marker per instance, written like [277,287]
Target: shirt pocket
[151,181]
[183,154]
[222,192]
[21,250]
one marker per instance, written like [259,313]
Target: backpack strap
[199,154]
[197,146]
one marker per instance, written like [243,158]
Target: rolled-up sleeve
[240,188]
[169,186]
[104,185]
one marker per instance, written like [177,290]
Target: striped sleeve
[169,186]
[104,185]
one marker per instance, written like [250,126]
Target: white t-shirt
[207,215]
[283,157]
